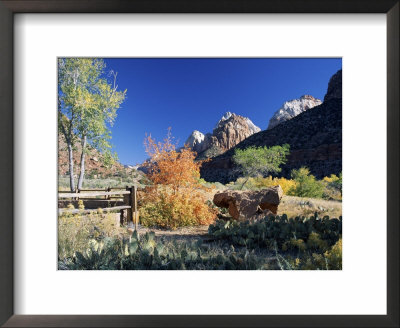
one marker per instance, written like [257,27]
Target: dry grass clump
[75,231]
[294,206]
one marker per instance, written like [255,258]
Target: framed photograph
[199,163]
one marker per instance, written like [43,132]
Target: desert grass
[294,206]
[75,231]
[63,183]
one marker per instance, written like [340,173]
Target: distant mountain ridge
[314,136]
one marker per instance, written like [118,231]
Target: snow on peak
[252,127]
[224,117]
[293,108]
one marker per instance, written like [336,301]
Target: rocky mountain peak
[224,117]
[227,133]
[232,129]
[292,108]
[196,141]
[232,117]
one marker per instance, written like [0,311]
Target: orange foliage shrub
[170,167]
[176,198]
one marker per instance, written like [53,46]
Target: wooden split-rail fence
[108,200]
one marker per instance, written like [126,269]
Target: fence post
[134,204]
[128,202]
[121,218]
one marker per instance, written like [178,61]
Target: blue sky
[192,94]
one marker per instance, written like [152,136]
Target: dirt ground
[184,234]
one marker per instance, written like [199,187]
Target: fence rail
[93,194]
[106,209]
[128,204]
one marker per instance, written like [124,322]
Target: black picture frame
[7,10]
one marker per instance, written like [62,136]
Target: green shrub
[302,184]
[255,161]
[335,182]
[334,255]
[306,184]
[333,189]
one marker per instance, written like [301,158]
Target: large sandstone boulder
[246,205]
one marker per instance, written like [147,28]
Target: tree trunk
[71,168]
[82,172]
[244,182]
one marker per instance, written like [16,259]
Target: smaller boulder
[246,205]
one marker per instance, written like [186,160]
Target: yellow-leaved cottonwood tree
[88,99]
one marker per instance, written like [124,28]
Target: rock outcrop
[314,136]
[293,108]
[247,205]
[334,87]
[229,131]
